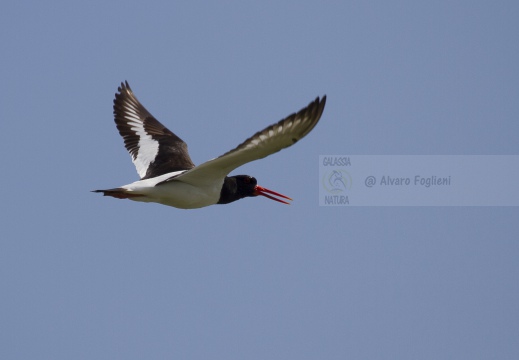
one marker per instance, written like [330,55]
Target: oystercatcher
[169,177]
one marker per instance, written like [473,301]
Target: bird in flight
[169,177]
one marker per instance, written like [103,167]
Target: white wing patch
[148,147]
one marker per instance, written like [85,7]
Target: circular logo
[336,181]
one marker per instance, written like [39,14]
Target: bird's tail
[118,193]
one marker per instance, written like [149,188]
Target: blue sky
[87,277]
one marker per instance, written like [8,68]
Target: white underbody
[174,193]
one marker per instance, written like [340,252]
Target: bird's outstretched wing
[264,143]
[154,149]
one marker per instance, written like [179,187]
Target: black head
[239,186]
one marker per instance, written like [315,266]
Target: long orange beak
[258,190]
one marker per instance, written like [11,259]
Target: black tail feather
[118,193]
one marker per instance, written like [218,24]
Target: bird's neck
[228,194]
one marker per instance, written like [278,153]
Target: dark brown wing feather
[154,149]
[272,139]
